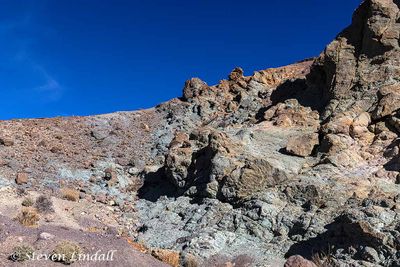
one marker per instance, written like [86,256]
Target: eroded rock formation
[298,162]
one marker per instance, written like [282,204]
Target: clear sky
[82,57]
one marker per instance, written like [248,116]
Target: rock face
[299,163]
[362,61]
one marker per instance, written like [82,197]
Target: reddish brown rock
[236,74]
[292,114]
[302,145]
[387,105]
[298,261]
[22,178]
[193,88]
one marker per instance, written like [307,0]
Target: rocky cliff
[298,162]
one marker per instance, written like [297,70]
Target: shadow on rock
[343,233]
[300,90]
[156,185]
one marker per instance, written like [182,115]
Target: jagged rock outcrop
[299,160]
[362,60]
[213,164]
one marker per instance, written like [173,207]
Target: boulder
[22,178]
[292,114]
[6,141]
[193,88]
[302,145]
[236,74]
[389,96]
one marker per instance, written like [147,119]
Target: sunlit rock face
[299,162]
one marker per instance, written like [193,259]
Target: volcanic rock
[291,162]
[302,145]
[22,178]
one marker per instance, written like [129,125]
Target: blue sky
[82,57]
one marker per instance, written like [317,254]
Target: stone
[5,141]
[110,175]
[236,74]
[145,127]
[302,145]
[193,88]
[134,171]
[298,261]
[349,77]
[100,134]
[387,105]
[292,114]
[46,236]
[335,143]
[370,254]
[22,178]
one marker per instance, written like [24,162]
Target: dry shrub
[28,217]
[323,259]
[66,252]
[44,204]
[28,202]
[70,194]
[22,253]
[170,257]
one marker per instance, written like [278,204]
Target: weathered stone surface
[292,114]
[388,104]
[351,78]
[302,145]
[194,88]
[222,166]
[208,175]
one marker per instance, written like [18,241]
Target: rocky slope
[300,160]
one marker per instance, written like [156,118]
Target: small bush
[70,194]
[323,259]
[66,252]
[44,204]
[28,217]
[169,257]
[28,202]
[22,253]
